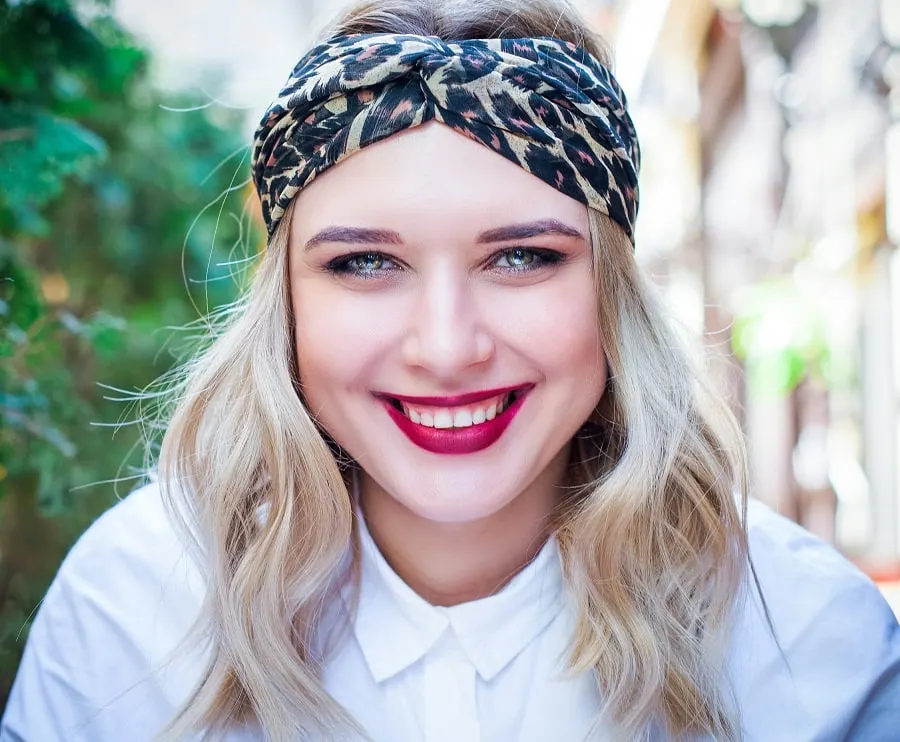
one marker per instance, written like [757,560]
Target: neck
[452,563]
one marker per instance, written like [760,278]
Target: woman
[446,472]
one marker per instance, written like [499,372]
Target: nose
[446,331]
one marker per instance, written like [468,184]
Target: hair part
[653,540]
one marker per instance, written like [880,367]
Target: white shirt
[98,667]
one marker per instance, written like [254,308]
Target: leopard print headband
[547,105]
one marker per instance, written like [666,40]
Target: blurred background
[770,217]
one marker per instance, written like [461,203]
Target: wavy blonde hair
[653,539]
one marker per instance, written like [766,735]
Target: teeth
[463,417]
[443,420]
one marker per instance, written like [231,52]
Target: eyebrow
[537,228]
[366,236]
[355,235]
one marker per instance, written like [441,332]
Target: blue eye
[523,259]
[362,265]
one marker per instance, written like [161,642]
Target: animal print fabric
[547,105]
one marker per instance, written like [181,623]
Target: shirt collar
[395,627]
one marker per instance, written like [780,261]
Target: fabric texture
[545,104]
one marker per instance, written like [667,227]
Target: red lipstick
[456,440]
[454,401]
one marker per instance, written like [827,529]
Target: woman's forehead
[434,174]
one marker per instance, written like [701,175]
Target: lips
[459,424]
[459,399]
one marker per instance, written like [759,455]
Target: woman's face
[431,279]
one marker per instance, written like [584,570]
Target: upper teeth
[463,416]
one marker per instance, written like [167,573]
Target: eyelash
[343,265]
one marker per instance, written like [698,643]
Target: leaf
[38,152]
[18,290]
[106,333]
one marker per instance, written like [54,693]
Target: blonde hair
[653,541]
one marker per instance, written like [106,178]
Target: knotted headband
[547,105]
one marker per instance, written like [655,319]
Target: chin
[437,495]
[439,511]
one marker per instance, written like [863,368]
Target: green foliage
[37,153]
[99,187]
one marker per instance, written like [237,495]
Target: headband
[547,105]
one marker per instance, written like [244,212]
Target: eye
[518,258]
[523,259]
[362,265]
[368,262]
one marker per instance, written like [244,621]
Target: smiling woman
[479,289]
[447,474]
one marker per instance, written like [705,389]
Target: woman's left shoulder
[795,564]
[832,669]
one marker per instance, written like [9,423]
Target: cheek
[555,324]
[339,336]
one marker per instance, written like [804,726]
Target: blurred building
[771,142]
